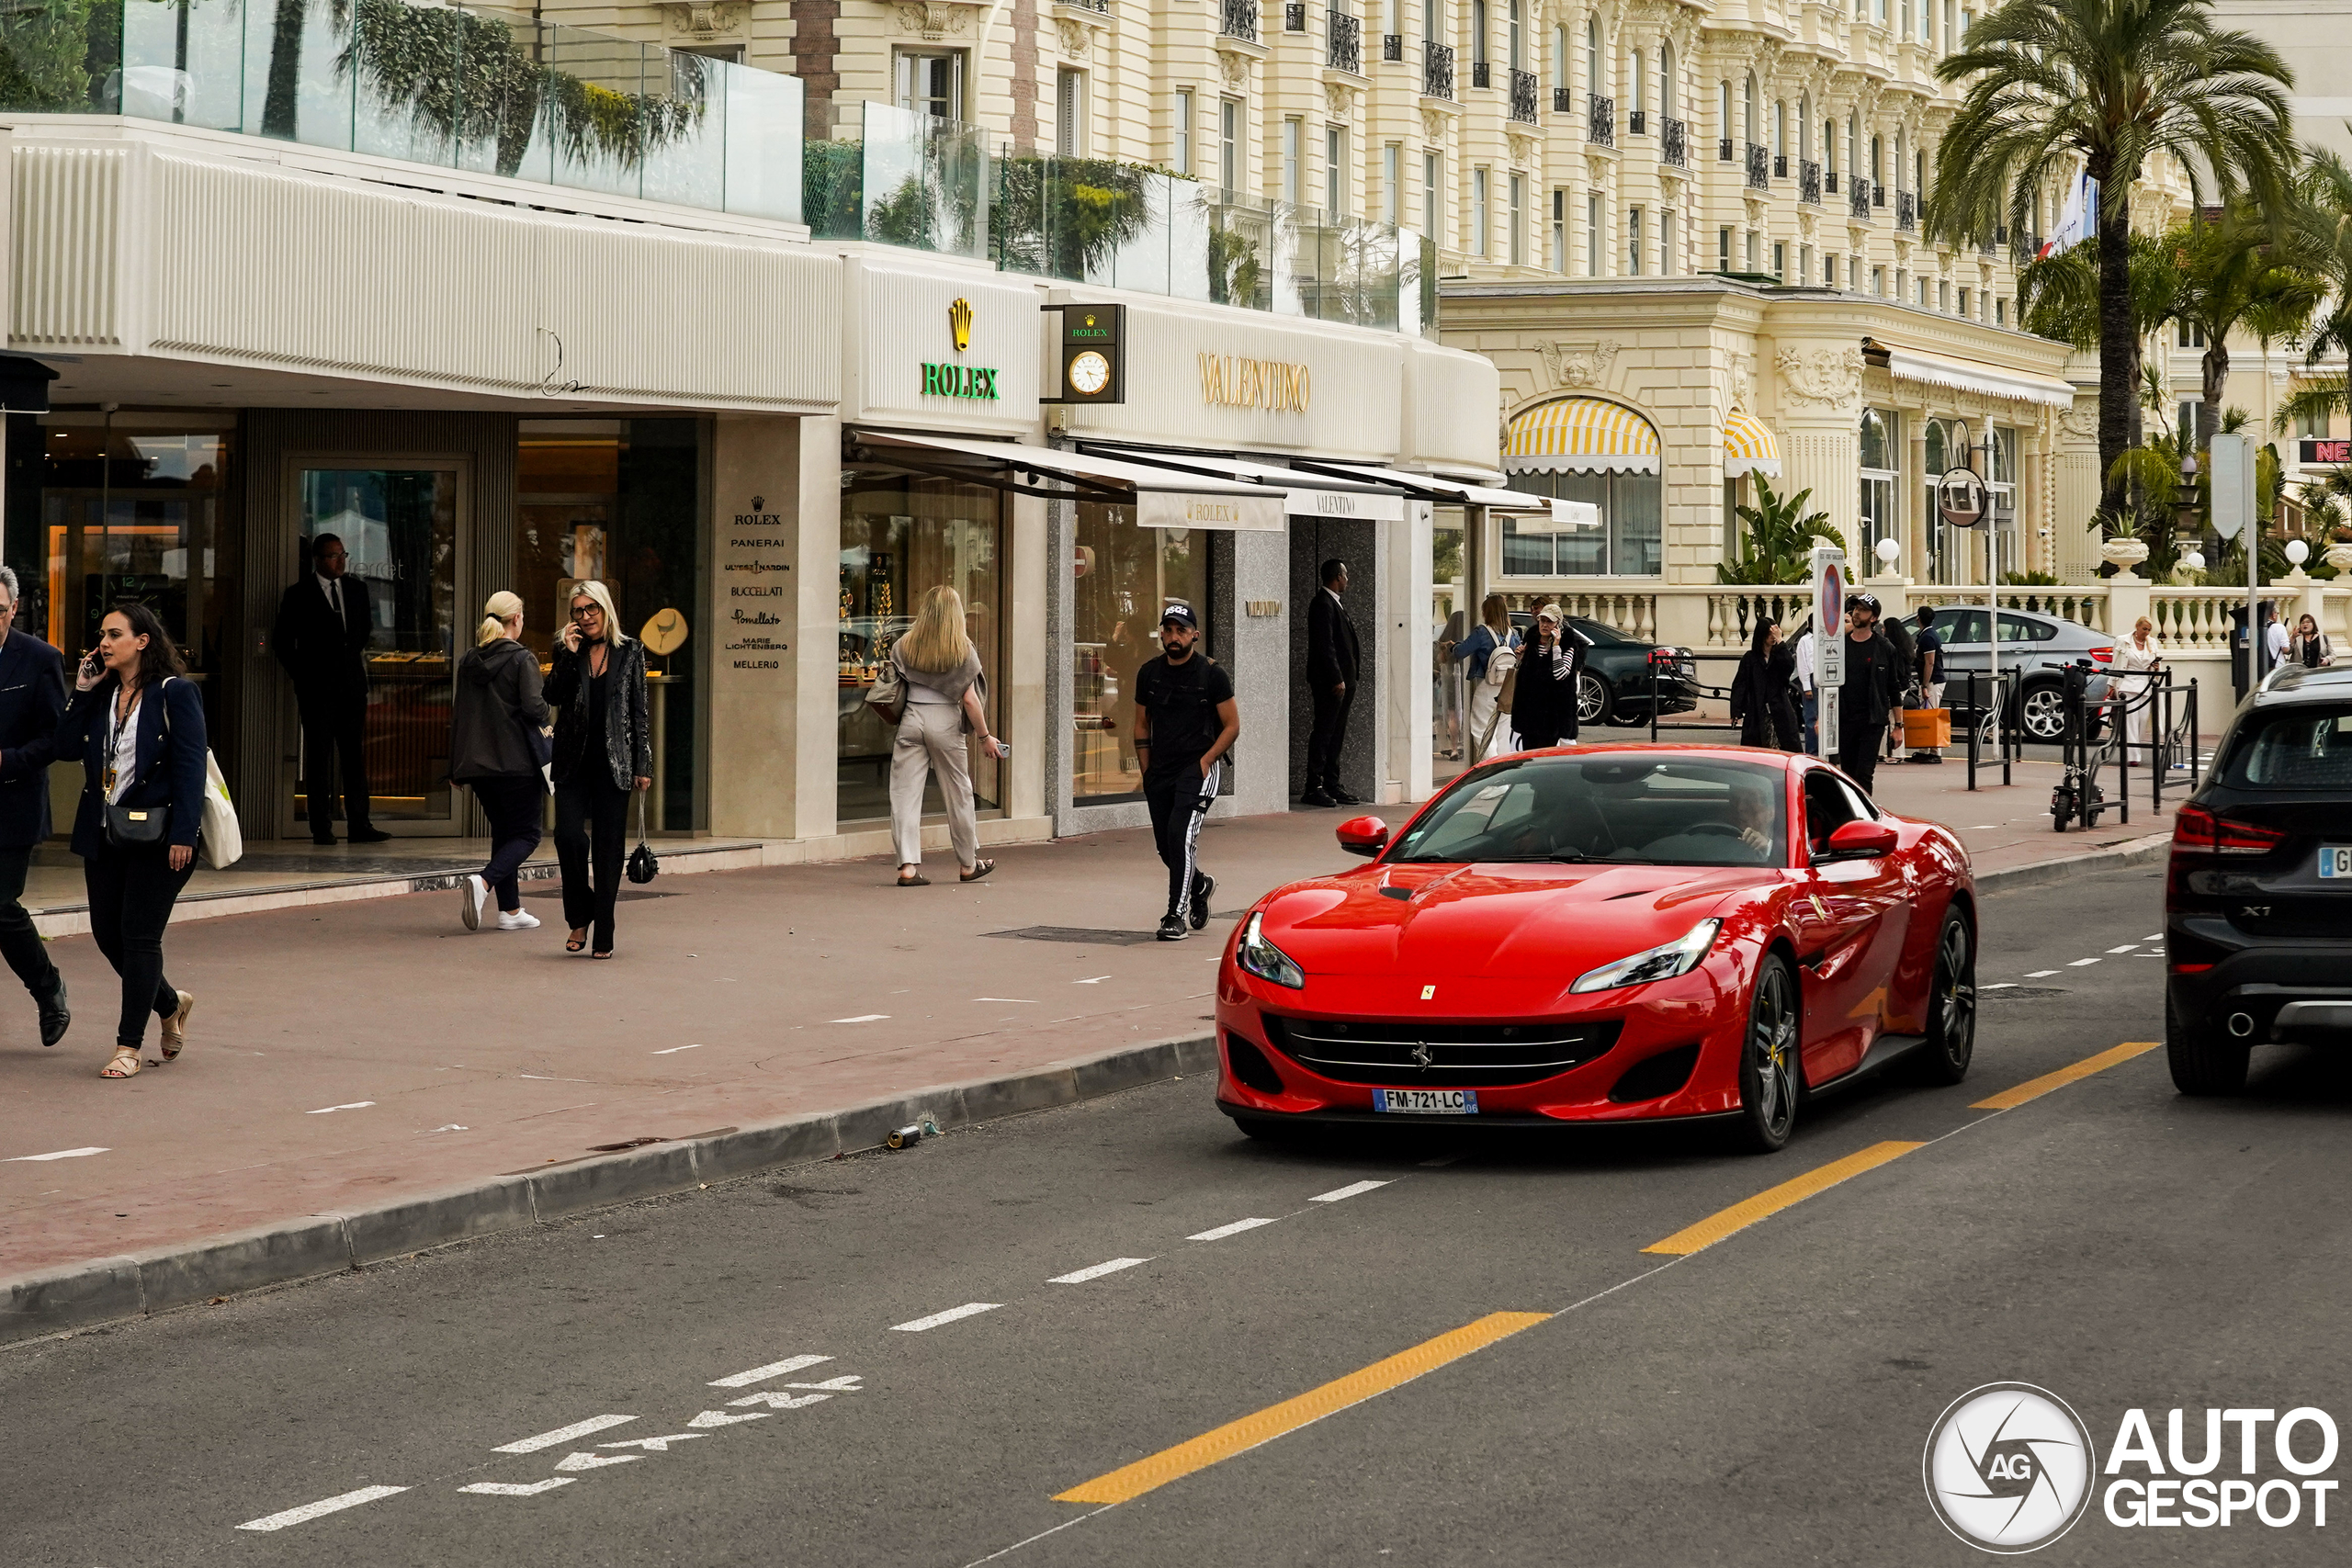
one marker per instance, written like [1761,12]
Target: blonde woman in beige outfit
[2136,664]
[942,672]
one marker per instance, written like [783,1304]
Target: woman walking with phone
[139,729]
[941,670]
[498,742]
[603,749]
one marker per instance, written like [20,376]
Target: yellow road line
[1772,1199]
[2034,1089]
[1236,1437]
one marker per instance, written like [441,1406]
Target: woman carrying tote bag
[139,729]
[498,743]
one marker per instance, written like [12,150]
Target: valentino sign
[1230,381]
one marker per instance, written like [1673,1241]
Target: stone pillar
[1911,498]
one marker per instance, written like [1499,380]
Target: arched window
[1669,100]
[1899,160]
[1560,57]
[1592,57]
[1747,106]
[1723,113]
[1779,128]
[1637,81]
[1878,160]
[1804,126]
[1517,53]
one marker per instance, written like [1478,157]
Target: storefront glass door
[401,526]
[1126,577]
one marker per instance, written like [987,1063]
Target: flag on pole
[2077,218]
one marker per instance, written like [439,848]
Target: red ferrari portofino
[1606,934]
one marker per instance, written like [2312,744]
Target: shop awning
[1580,435]
[1749,448]
[1455,492]
[1304,494]
[1966,376]
[1164,498]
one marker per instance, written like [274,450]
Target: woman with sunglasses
[603,749]
[1544,698]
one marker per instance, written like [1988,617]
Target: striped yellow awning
[1749,448]
[1581,436]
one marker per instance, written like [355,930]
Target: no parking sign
[1828,639]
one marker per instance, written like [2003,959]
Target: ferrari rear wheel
[1768,1069]
[1951,1005]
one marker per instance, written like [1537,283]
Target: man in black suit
[325,624]
[32,699]
[1331,677]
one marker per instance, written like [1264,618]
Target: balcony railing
[1294,17]
[1906,211]
[1600,121]
[1723,150]
[489,92]
[1759,168]
[1391,46]
[1240,19]
[1522,95]
[1100,6]
[1858,198]
[1437,68]
[1809,182]
[1481,74]
[1673,142]
[1346,43]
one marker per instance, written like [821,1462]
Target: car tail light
[2102,655]
[2197,831]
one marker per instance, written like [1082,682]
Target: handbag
[887,696]
[221,836]
[643,864]
[128,824]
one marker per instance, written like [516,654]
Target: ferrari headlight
[1263,959]
[1659,963]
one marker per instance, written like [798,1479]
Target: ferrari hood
[1501,921]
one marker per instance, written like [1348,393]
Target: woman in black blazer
[138,729]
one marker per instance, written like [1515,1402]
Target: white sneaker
[472,893]
[520,920]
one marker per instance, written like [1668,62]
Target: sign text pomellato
[1230,381]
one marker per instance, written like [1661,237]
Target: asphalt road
[1764,1400]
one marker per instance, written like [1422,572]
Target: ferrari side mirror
[1861,838]
[1364,835]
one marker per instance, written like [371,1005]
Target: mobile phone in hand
[92,664]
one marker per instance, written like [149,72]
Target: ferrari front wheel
[1769,1070]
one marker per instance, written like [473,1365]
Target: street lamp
[2298,553]
[1887,551]
[2195,560]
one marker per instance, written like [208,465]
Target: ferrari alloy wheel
[1768,1069]
[1592,700]
[1951,1005]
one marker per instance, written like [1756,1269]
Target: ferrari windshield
[1622,810]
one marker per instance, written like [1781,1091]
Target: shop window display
[903,534]
[1123,576]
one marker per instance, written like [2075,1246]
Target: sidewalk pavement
[365,1079]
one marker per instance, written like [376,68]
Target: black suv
[2258,897]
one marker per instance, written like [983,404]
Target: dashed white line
[2158,936]
[2002,986]
[560,1435]
[861,1018]
[61,1154]
[2079,962]
[1025,1001]
[309,1511]
[969,1309]
[2125,948]
[674,1050]
[2040,973]
[355,1105]
[1337,1193]
[1079,1276]
[773,1370]
[1235,1228]
[720,1418]
[516,1488]
[1096,981]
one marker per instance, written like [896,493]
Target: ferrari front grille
[1439,1055]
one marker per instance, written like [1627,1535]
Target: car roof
[2300,683]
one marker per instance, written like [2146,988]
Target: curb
[109,1289]
[2134,851]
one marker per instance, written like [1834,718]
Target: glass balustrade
[478,89]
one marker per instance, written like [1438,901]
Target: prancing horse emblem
[1422,1055]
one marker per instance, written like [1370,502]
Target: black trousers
[1858,750]
[131,893]
[512,804]
[591,835]
[335,730]
[1179,802]
[19,942]
[1323,741]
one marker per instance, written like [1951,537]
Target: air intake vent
[1655,1077]
[1250,1065]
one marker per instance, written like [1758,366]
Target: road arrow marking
[846,1383]
[653,1445]
[595,1462]
[775,1400]
[720,1418]
[516,1489]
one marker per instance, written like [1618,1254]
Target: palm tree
[2233,277]
[2106,86]
[2323,221]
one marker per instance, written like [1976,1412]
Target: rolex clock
[1093,357]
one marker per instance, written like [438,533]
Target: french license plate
[1426,1101]
[2335,861]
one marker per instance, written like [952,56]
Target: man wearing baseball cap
[1185,724]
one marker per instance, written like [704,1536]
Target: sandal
[606,954]
[917,880]
[125,1064]
[576,941]
[176,1028]
[979,869]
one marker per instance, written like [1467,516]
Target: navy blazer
[175,780]
[32,699]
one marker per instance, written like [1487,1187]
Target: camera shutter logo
[2008,1468]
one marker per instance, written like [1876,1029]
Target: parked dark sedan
[2258,895]
[1615,686]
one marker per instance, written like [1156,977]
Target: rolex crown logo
[959,321]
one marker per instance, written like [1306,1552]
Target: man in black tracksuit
[1185,723]
[1875,677]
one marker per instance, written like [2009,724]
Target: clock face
[1089,373]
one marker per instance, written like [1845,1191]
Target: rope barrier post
[1976,729]
[2117,715]
[2196,758]
[2006,732]
[1654,696]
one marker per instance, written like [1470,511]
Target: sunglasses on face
[585,611]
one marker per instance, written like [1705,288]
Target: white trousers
[930,734]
